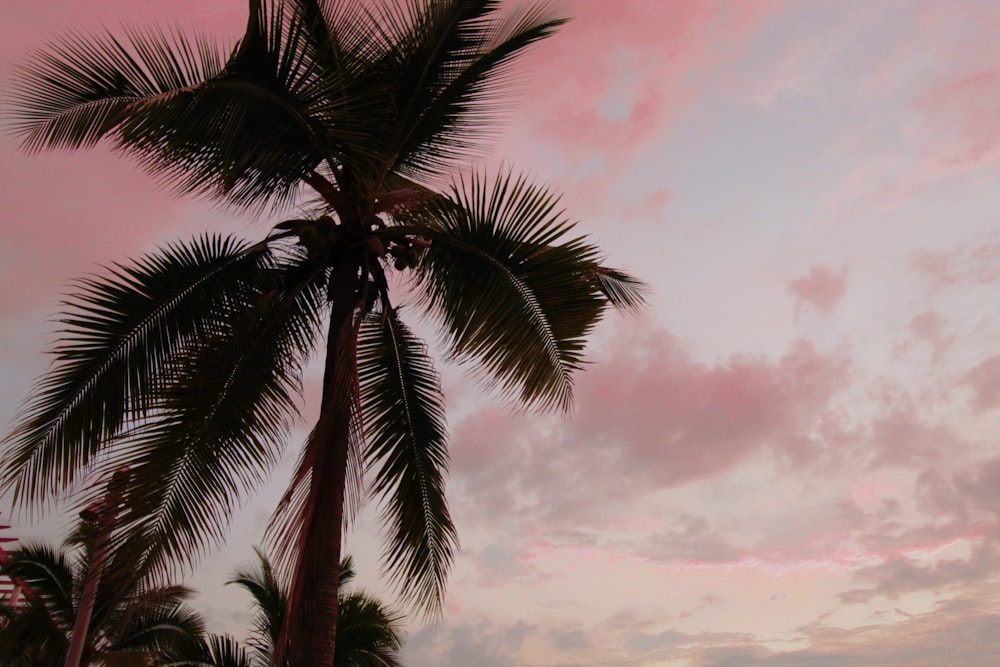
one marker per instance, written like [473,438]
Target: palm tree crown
[185,364]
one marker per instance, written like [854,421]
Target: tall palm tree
[185,364]
[132,624]
[368,632]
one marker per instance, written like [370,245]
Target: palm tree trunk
[314,596]
[104,514]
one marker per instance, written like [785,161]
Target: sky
[791,456]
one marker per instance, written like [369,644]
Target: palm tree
[185,364]
[133,621]
[368,632]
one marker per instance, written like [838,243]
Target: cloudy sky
[791,458]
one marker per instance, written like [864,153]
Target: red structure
[11,590]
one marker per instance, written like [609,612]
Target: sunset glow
[791,457]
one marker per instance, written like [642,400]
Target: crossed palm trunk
[186,364]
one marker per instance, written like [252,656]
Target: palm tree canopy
[400,88]
[186,364]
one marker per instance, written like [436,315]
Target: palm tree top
[362,93]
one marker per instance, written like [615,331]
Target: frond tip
[622,291]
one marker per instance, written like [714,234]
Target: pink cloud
[984,380]
[624,72]
[24,22]
[929,327]
[902,436]
[959,633]
[821,288]
[672,419]
[899,575]
[692,539]
[980,487]
[977,263]
[647,417]
[950,508]
[612,99]
[964,109]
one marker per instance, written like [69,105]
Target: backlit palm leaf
[620,289]
[186,113]
[215,651]
[367,633]
[35,632]
[271,601]
[222,416]
[403,411]
[512,289]
[81,88]
[122,332]
[447,63]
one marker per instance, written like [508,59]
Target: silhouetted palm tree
[133,621]
[185,364]
[368,632]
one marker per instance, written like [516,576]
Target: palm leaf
[622,291]
[511,288]
[271,601]
[403,414]
[449,66]
[367,633]
[215,651]
[49,576]
[187,114]
[222,415]
[79,89]
[121,333]
[155,621]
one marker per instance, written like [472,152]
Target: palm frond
[49,576]
[622,291]
[347,572]
[244,130]
[31,636]
[120,337]
[450,70]
[222,414]
[270,600]
[512,290]
[403,413]
[156,623]
[368,633]
[214,651]
[79,89]
[132,621]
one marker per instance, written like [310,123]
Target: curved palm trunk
[313,602]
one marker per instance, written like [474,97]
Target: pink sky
[791,458]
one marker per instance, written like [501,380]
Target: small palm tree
[133,621]
[185,364]
[368,632]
